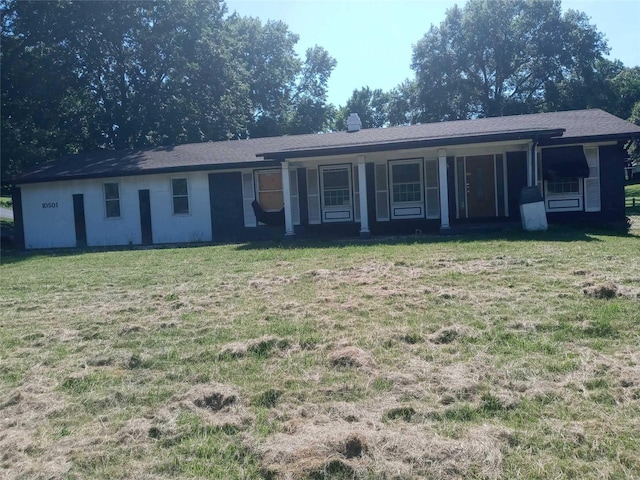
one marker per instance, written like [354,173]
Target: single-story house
[426,177]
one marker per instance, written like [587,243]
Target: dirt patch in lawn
[350,356]
[354,440]
[23,414]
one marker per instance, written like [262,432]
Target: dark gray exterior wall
[228,224]
[612,158]
[18,219]
[612,209]
[227,214]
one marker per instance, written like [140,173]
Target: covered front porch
[404,192]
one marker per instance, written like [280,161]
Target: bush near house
[512,355]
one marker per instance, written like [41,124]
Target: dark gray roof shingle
[574,126]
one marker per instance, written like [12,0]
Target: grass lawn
[514,356]
[6,224]
[631,192]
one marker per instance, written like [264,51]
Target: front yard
[511,356]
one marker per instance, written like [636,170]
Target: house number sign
[50,205]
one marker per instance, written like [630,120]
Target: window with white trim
[269,190]
[112,199]
[180,194]
[563,186]
[406,182]
[336,188]
[406,188]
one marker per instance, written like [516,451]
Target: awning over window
[564,162]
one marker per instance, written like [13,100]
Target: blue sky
[372,39]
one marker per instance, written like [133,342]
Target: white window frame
[106,200]
[564,202]
[174,196]
[336,213]
[548,192]
[407,209]
[257,174]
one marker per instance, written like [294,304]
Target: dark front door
[78,216]
[227,214]
[481,186]
[145,217]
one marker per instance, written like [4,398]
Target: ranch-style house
[427,178]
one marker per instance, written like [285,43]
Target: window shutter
[295,202]
[356,193]
[313,196]
[592,184]
[248,196]
[382,193]
[539,173]
[431,186]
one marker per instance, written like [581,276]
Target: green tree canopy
[85,75]
[499,57]
[371,105]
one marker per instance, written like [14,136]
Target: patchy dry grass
[495,357]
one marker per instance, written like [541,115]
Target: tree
[310,111]
[499,57]
[272,67]
[627,94]
[589,88]
[79,76]
[634,146]
[44,108]
[403,107]
[370,105]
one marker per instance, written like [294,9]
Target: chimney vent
[354,124]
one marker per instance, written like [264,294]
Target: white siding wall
[55,227]
[48,227]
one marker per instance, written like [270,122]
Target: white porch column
[444,189]
[286,193]
[362,185]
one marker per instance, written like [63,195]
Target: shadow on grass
[554,234]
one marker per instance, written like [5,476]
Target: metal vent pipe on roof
[354,124]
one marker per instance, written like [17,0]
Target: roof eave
[591,139]
[131,173]
[411,144]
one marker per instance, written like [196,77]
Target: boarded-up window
[269,185]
